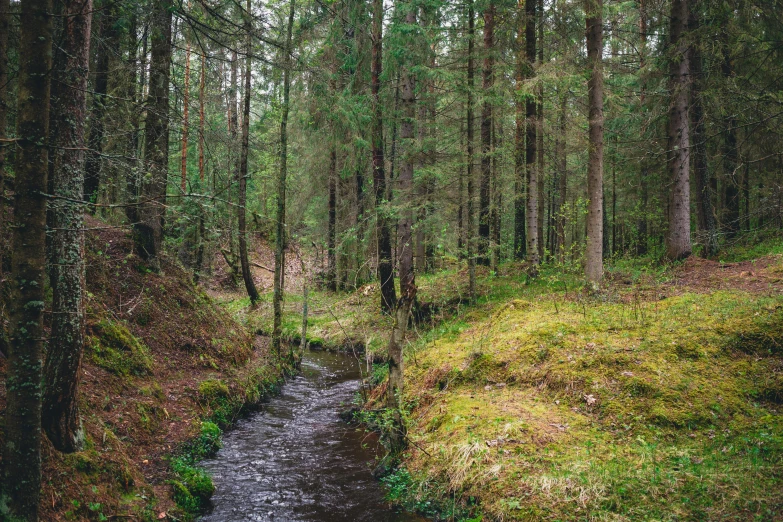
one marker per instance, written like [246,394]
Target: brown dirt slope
[153,339]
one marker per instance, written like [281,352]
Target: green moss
[213,389]
[115,349]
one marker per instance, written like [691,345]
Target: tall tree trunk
[331,246]
[185,113]
[22,445]
[5,16]
[280,236]
[132,103]
[405,246]
[471,234]
[563,179]
[701,172]
[520,170]
[678,240]
[641,245]
[60,416]
[92,175]
[497,202]
[531,141]
[486,133]
[242,173]
[731,185]
[201,120]
[595,166]
[385,269]
[540,129]
[149,230]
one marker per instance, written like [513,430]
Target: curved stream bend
[296,460]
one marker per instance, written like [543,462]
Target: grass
[562,408]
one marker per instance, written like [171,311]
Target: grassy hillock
[164,369]
[656,399]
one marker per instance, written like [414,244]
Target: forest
[404,260]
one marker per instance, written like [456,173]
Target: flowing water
[296,460]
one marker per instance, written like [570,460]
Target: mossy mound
[556,409]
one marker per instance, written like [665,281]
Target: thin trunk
[149,230]
[540,129]
[5,16]
[641,246]
[678,240]
[242,173]
[701,172]
[280,236]
[497,202]
[92,175]
[460,190]
[60,415]
[331,256]
[471,235]
[132,173]
[563,187]
[531,138]
[185,112]
[385,268]
[595,166]
[486,133]
[520,170]
[201,120]
[22,445]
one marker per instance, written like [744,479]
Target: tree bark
[486,134]
[471,225]
[280,236]
[331,247]
[242,173]
[22,445]
[562,191]
[678,240]
[531,138]
[60,415]
[520,168]
[149,231]
[405,247]
[701,172]
[5,16]
[595,166]
[385,269]
[641,245]
[185,113]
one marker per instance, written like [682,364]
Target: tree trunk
[5,16]
[531,141]
[540,130]
[563,187]
[486,134]
[185,112]
[22,445]
[595,166]
[678,240]
[471,233]
[92,175]
[701,172]
[60,415]
[641,245]
[280,236]
[331,255]
[520,171]
[201,119]
[149,230]
[242,173]
[405,246]
[385,269]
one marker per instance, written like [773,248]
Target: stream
[296,460]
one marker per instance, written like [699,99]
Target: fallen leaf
[590,399]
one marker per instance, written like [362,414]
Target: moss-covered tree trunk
[470,236]
[60,416]
[149,230]
[22,444]
[531,141]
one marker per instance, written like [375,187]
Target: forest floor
[164,369]
[657,398]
